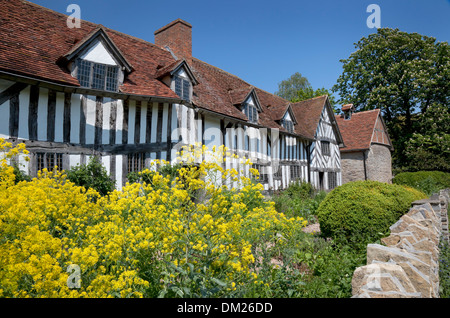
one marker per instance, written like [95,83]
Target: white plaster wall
[99,54]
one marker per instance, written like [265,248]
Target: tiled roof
[33,40]
[357,132]
[308,113]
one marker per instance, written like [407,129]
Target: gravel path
[313,228]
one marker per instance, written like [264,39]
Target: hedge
[426,181]
[364,209]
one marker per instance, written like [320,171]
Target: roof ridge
[97,25]
[310,99]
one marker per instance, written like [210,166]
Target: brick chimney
[177,36]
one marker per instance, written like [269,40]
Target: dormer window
[97,76]
[288,125]
[288,120]
[97,63]
[251,112]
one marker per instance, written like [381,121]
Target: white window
[97,76]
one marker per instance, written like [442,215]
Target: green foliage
[429,146]
[92,175]
[330,268]
[288,89]
[364,209]
[299,199]
[401,73]
[444,269]
[20,175]
[146,176]
[428,182]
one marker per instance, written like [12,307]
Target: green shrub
[146,176]
[299,199]
[92,175]
[364,210]
[428,182]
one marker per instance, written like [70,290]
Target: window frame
[110,75]
[180,86]
[325,147]
[49,160]
[251,112]
[135,162]
[332,180]
[288,125]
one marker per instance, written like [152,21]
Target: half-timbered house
[72,93]
[318,122]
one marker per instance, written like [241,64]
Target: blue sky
[264,42]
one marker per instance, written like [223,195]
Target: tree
[429,147]
[288,89]
[400,73]
[309,92]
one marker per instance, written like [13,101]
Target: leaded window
[332,180]
[251,112]
[97,76]
[325,148]
[288,125]
[49,161]
[183,88]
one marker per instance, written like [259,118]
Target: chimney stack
[348,110]
[177,36]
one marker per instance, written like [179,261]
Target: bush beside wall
[364,208]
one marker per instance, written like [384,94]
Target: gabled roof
[240,96]
[358,131]
[173,67]
[99,34]
[308,113]
[34,38]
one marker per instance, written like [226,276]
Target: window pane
[98,78]
[325,148]
[111,78]
[84,73]
[178,87]
[40,161]
[186,90]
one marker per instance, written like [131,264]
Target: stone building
[367,151]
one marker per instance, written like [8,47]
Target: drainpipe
[308,159]
[364,162]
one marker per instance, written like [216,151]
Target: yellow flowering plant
[187,234]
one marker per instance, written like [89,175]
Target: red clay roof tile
[357,132]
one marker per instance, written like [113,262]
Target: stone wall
[379,163]
[407,265]
[352,166]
